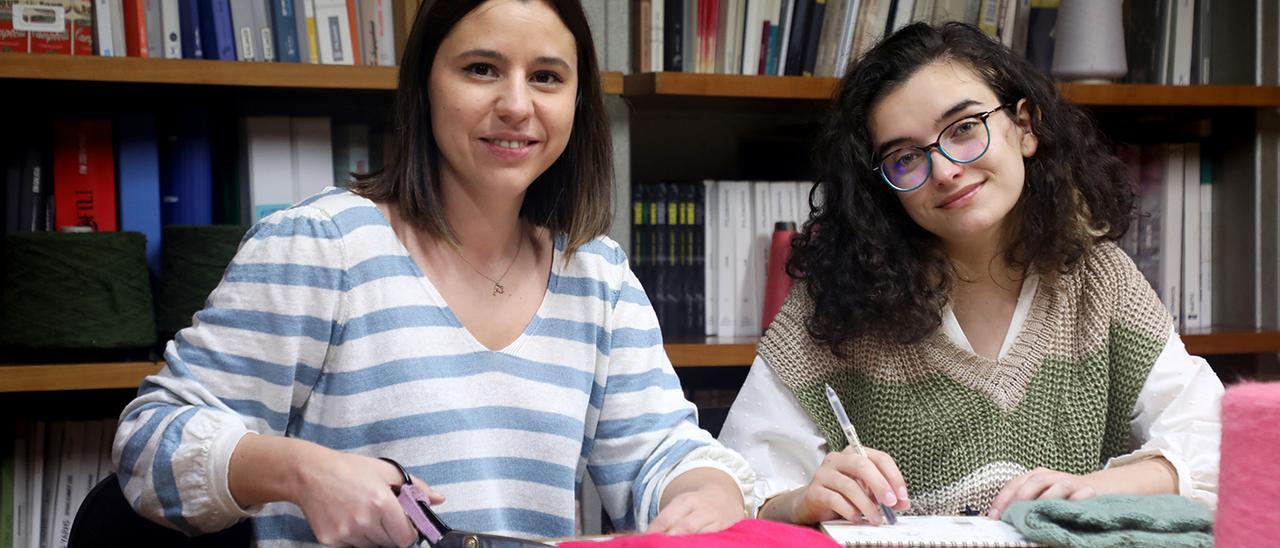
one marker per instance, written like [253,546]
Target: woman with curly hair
[961,290]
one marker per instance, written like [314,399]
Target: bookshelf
[133,70]
[732,86]
[709,352]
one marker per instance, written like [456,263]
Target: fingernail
[902,493]
[888,499]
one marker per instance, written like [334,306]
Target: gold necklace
[498,288]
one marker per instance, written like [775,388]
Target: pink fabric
[1248,485]
[756,533]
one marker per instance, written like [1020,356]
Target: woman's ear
[1027,142]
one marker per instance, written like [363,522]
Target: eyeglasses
[907,168]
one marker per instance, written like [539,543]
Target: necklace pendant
[498,289]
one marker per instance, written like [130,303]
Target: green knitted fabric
[1114,520]
[960,426]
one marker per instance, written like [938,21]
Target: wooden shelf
[729,86]
[1231,342]
[713,352]
[78,376]
[214,73]
[709,352]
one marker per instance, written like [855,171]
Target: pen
[854,442]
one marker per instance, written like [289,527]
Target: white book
[710,259]
[268,158]
[87,463]
[171,28]
[1008,19]
[117,28]
[751,33]
[155,28]
[333,32]
[844,45]
[763,236]
[1206,244]
[782,202]
[52,472]
[1181,34]
[65,503]
[385,36]
[1171,232]
[726,266]
[748,307]
[656,26]
[312,155]
[1191,304]
[20,478]
[35,485]
[103,17]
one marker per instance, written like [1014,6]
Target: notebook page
[928,531]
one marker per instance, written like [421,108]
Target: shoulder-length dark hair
[869,268]
[573,196]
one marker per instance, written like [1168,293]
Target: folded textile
[756,533]
[1114,520]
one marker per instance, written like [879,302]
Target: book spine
[155,28]
[300,31]
[171,29]
[217,33]
[193,40]
[84,171]
[284,29]
[103,16]
[135,25]
[242,26]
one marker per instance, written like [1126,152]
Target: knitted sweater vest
[959,425]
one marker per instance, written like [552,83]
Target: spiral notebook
[975,531]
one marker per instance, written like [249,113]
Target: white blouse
[1176,417]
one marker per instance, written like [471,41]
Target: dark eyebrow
[496,56]
[954,110]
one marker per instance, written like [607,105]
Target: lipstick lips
[959,197]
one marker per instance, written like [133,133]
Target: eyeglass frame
[937,143]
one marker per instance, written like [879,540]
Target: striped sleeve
[250,357]
[648,432]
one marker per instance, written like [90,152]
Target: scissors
[433,530]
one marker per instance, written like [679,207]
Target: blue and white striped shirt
[324,329]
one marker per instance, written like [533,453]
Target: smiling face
[958,202]
[503,87]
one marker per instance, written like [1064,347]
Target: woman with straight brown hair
[459,312]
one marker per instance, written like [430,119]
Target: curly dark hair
[866,264]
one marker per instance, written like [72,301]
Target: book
[139,170]
[262,29]
[104,19]
[171,29]
[217,35]
[312,155]
[154,28]
[135,28]
[974,531]
[84,174]
[333,34]
[242,29]
[268,161]
[284,30]
[186,191]
[193,40]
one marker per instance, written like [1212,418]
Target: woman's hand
[847,485]
[347,499]
[702,500]
[1042,484]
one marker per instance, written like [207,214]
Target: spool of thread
[1248,487]
[76,291]
[776,282]
[1089,42]
[193,259]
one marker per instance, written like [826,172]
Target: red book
[84,175]
[357,47]
[135,28]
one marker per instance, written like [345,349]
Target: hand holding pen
[856,445]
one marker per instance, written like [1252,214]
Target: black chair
[105,518]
